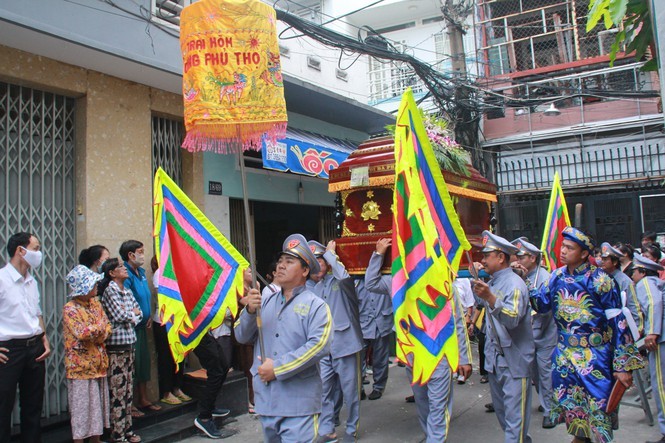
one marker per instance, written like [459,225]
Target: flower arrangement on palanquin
[364,184]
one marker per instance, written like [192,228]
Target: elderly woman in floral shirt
[85,328]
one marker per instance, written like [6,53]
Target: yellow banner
[232,80]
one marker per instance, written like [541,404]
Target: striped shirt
[119,304]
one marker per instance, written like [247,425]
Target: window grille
[388,80]
[529,34]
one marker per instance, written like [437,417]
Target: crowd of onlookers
[106,322]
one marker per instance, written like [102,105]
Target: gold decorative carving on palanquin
[370,210]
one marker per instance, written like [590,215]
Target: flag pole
[250,246]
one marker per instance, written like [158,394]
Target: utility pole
[465,123]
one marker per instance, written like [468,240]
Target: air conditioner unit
[605,40]
[314,62]
[342,75]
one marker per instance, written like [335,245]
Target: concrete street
[391,419]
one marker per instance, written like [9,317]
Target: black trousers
[21,369]
[215,356]
[481,352]
[169,379]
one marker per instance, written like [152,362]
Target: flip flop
[137,413]
[184,397]
[173,400]
[151,407]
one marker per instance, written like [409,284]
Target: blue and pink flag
[428,243]
[200,272]
[557,219]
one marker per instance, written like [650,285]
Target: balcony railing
[592,166]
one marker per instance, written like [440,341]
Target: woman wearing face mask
[94,257]
[85,328]
[133,254]
[124,314]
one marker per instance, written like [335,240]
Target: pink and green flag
[557,219]
[200,272]
[428,243]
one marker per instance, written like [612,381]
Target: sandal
[183,397]
[136,413]
[171,400]
[131,437]
[151,407]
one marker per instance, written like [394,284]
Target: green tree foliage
[633,19]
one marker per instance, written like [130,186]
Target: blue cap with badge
[492,242]
[296,245]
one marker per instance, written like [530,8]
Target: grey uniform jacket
[296,336]
[510,321]
[626,285]
[374,280]
[544,328]
[376,308]
[650,295]
[339,292]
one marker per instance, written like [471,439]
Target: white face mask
[33,258]
[139,259]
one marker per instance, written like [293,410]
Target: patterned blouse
[85,328]
[119,304]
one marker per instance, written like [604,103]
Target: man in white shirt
[23,344]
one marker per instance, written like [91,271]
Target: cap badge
[293,244]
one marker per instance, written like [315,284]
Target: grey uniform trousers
[434,402]
[380,355]
[512,402]
[656,365]
[541,372]
[348,370]
[290,429]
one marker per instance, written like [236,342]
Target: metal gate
[167,137]
[37,178]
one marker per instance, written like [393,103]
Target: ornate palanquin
[364,183]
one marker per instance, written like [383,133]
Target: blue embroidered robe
[590,347]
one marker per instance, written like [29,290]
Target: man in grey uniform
[434,399]
[338,291]
[376,321]
[297,330]
[610,263]
[544,329]
[649,289]
[509,349]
